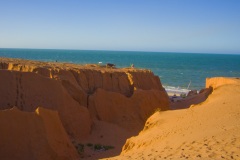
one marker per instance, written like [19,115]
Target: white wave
[176,90]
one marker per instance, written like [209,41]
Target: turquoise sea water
[174,69]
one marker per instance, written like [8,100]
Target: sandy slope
[210,130]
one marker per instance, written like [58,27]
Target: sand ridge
[209,130]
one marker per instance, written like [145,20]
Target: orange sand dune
[38,135]
[210,130]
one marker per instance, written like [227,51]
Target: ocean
[176,70]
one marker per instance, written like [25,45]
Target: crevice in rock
[88,100]
[75,75]
[131,84]
[3,65]
[76,93]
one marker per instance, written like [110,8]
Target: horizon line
[187,52]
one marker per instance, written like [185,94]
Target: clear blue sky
[142,25]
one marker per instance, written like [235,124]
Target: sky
[201,26]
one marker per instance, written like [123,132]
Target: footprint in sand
[199,156]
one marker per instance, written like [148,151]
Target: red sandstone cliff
[81,94]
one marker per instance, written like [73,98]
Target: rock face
[37,135]
[28,90]
[129,113]
[81,94]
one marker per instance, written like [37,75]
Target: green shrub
[89,144]
[108,147]
[101,147]
[80,148]
[98,147]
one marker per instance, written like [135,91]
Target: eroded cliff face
[81,93]
[127,112]
[27,91]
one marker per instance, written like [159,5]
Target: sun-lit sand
[210,130]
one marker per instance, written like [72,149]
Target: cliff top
[66,65]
